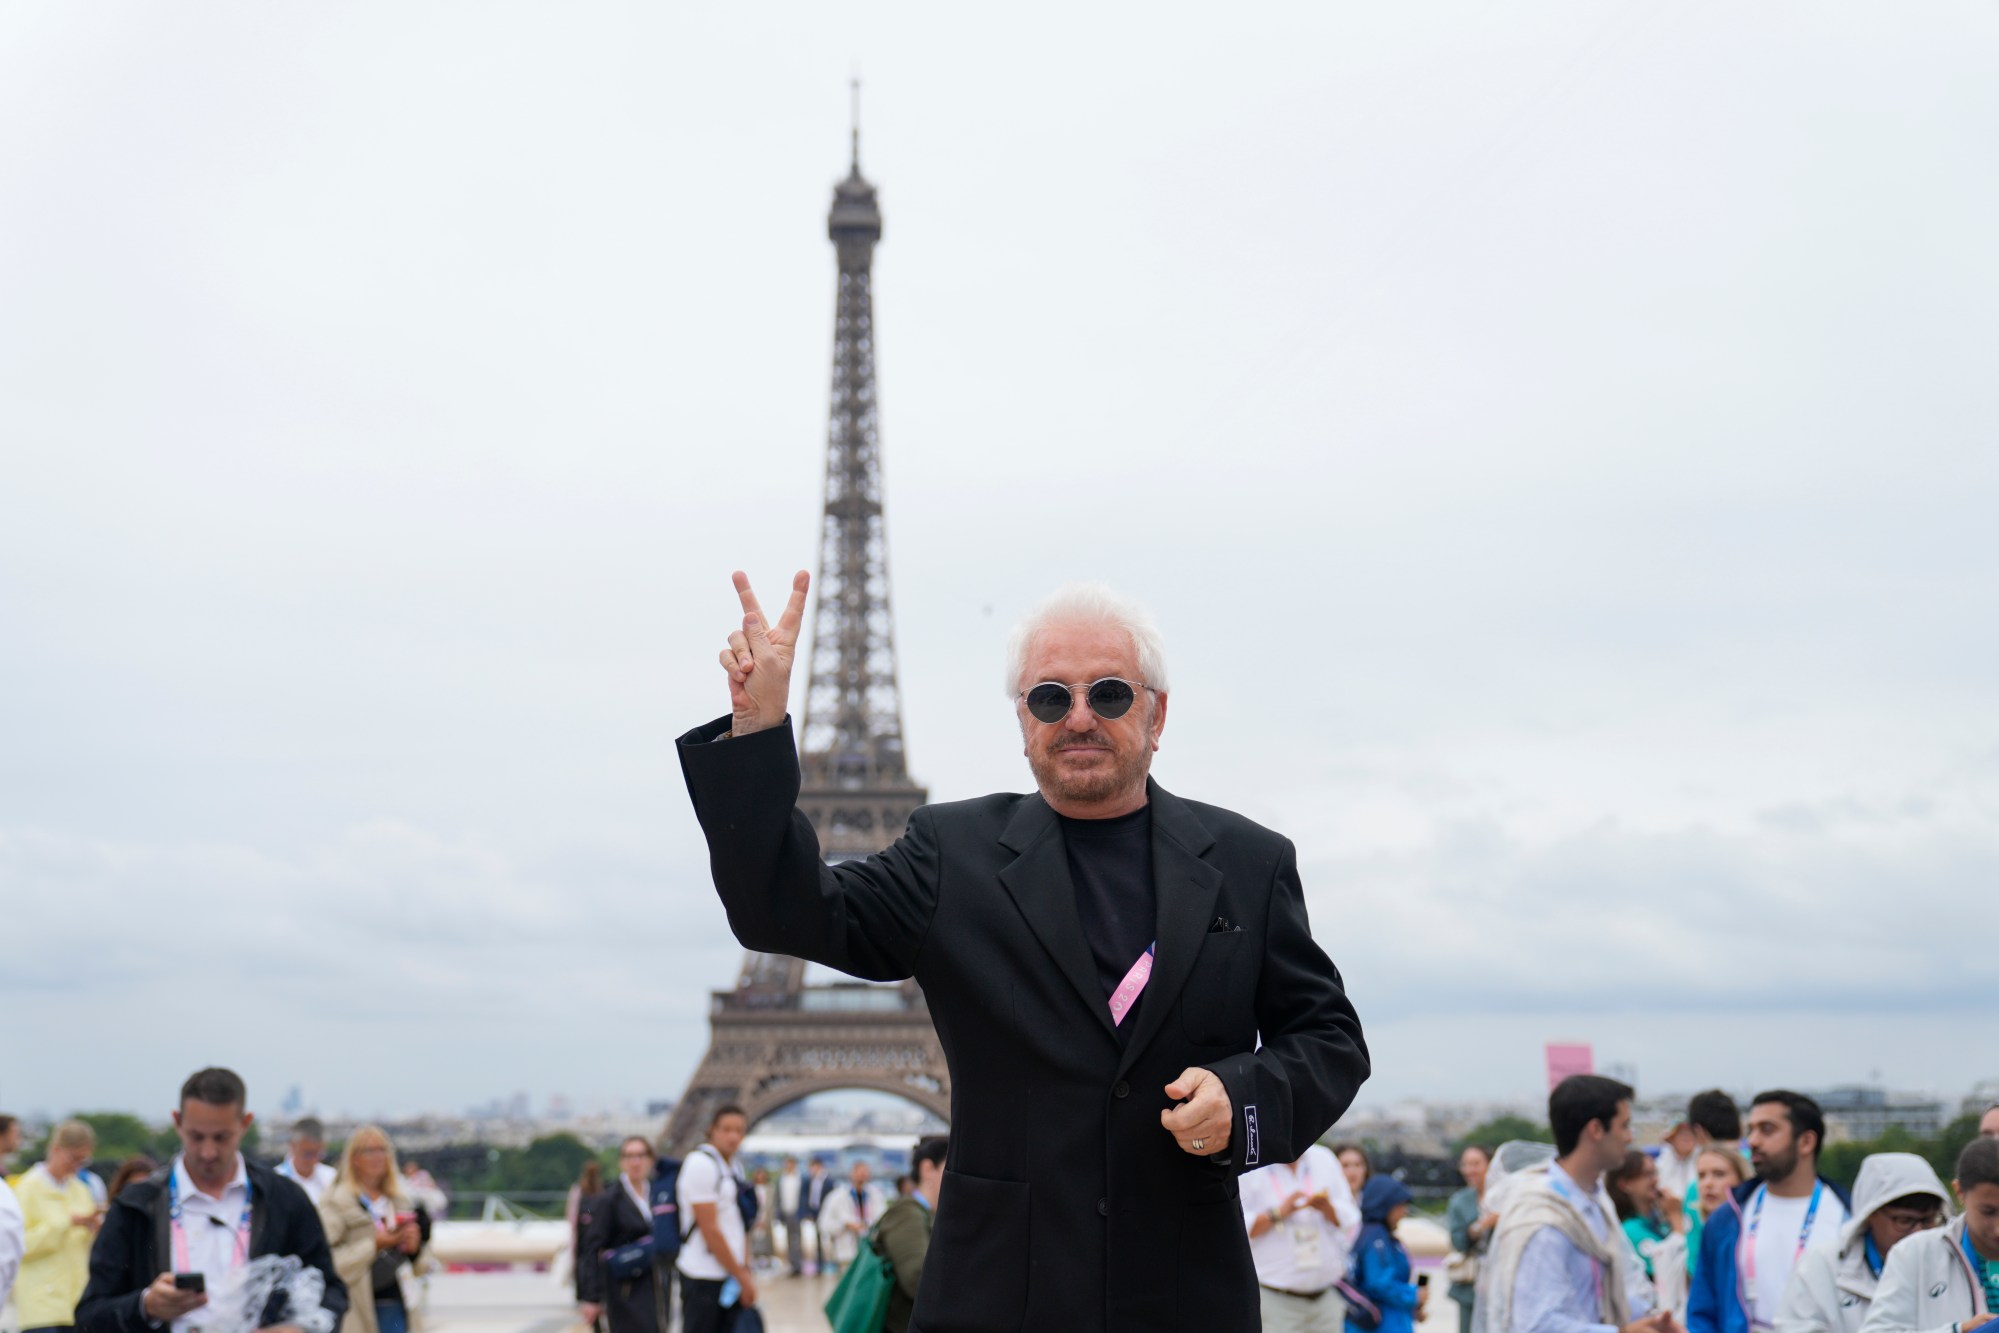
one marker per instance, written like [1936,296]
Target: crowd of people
[705,1227]
[154,1244]
[1726,1226]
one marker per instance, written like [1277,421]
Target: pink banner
[1566,1058]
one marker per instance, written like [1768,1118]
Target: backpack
[666,1232]
[860,1303]
[668,1172]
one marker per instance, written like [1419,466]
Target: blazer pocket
[975,1276]
[1206,1002]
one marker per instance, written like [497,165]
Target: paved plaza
[532,1303]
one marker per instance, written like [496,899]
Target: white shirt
[789,1188]
[1304,1252]
[315,1185]
[637,1196]
[1777,1244]
[216,1243]
[702,1180]
[1676,1173]
[13,1240]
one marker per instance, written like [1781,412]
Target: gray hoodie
[1926,1285]
[1831,1289]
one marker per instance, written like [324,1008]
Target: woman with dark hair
[1381,1264]
[133,1168]
[1652,1227]
[618,1277]
[587,1187]
[1471,1227]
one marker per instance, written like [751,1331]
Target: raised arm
[866,917]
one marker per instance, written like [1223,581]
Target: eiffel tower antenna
[773,1039]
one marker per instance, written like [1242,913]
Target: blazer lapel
[1186,887]
[1039,881]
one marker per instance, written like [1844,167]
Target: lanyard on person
[1127,992]
[178,1231]
[381,1211]
[1749,1246]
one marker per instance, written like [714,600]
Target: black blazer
[1065,1204]
[135,1246]
[604,1222]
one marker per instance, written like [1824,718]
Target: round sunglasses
[1109,698]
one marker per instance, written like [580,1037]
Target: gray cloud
[1555,441]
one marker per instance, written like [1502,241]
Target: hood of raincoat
[1380,1194]
[1884,1178]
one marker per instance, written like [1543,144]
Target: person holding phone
[375,1230]
[208,1214]
[1303,1223]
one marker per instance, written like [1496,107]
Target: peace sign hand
[758,658]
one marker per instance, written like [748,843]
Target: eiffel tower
[774,1039]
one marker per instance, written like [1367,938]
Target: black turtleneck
[1110,861]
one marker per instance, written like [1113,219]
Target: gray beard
[1091,788]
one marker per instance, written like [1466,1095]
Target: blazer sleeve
[866,918]
[111,1303]
[1290,1090]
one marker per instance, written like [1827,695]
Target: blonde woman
[375,1229]
[61,1220]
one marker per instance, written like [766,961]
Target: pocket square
[1221,925]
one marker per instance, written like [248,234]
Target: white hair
[1089,603]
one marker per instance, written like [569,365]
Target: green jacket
[903,1237]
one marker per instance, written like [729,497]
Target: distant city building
[1860,1112]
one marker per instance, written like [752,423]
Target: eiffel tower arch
[773,1039]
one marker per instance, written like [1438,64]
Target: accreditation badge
[1305,1247]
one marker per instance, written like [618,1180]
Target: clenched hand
[1200,1123]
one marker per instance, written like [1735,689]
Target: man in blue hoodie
[1751,1244]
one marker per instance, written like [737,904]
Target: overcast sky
[1556,440]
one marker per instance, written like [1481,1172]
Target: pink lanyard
[182,1263]
[1127,992]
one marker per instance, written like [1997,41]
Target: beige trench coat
[350,1234]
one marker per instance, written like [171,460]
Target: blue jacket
[1714,1301]
[1380,1263]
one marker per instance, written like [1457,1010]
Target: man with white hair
[1124,982]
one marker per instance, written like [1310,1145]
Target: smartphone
[1423,1281]
[190,1282]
